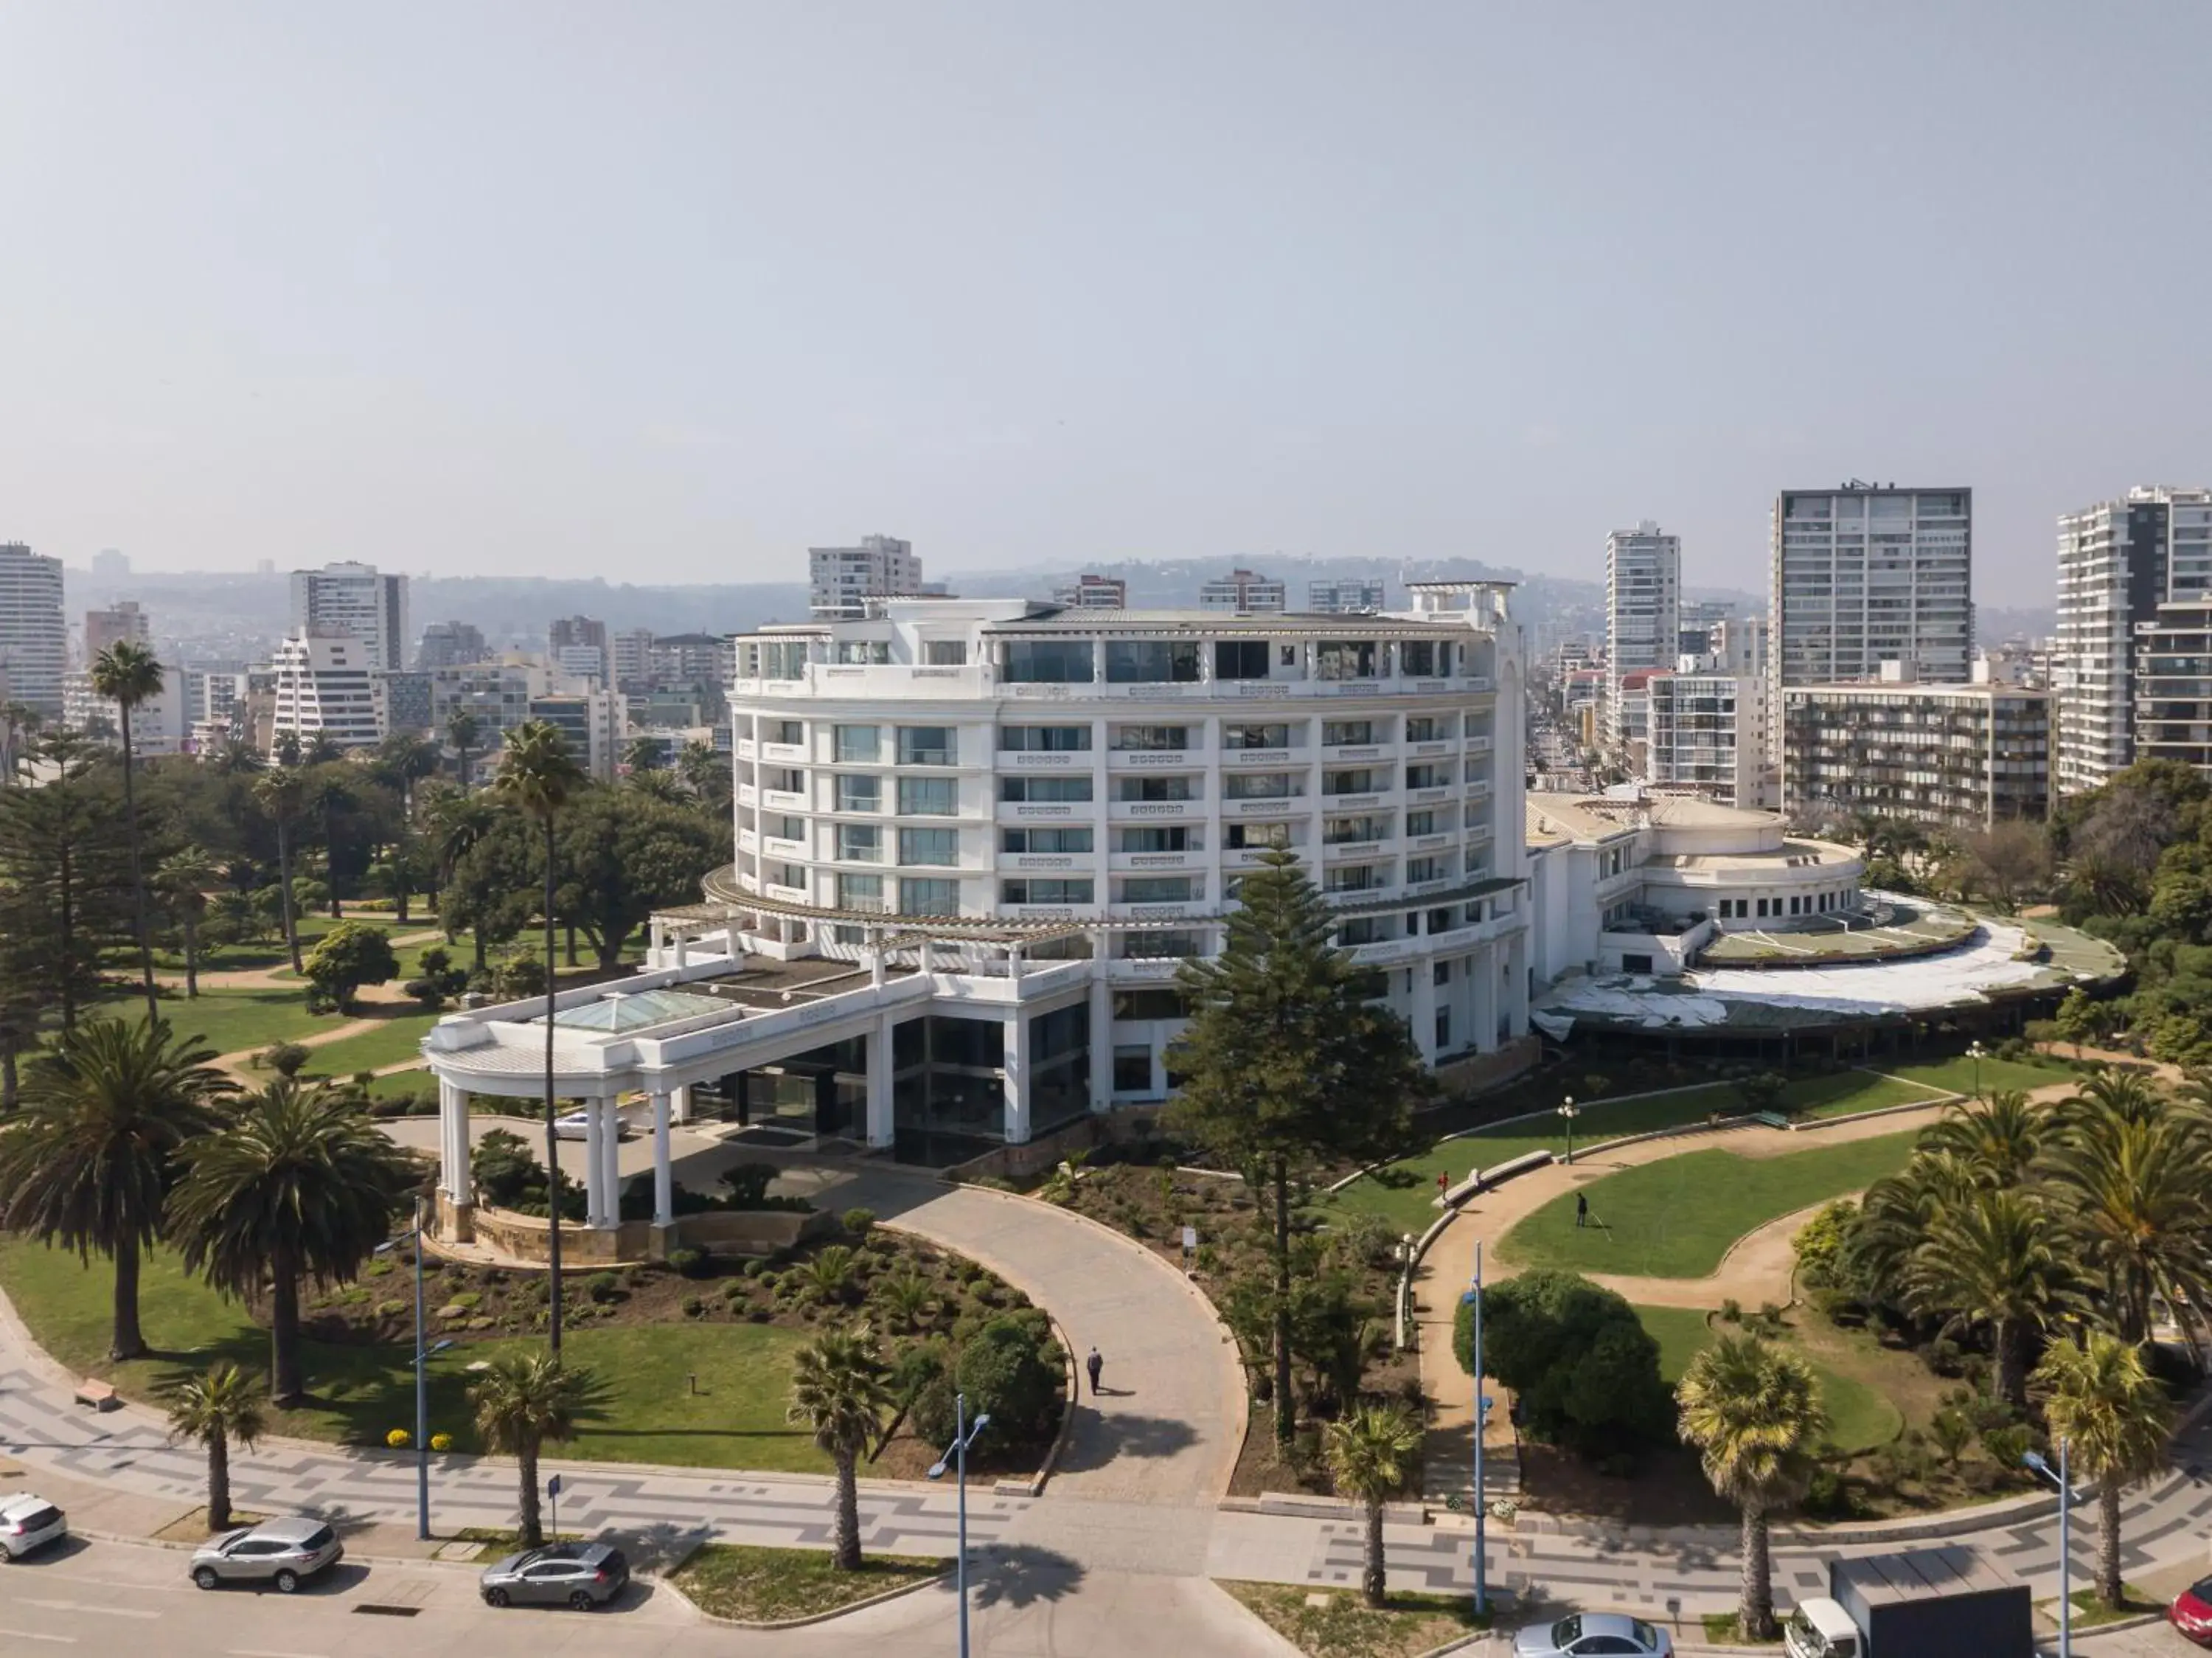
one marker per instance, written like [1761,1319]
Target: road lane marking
[32,1635]
[79,1605]
[262,1652]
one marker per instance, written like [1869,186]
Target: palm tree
[1998,1140]
[2123,1094]
[329,792]
[841,1388]
[128,675]
[2115,1419]
[463,731]
[536,776]
[1753,1412]
[89,1162]
[281,794]
[1375,1454]
[185,879]
[525,1401]
[297,1184]
[215,1409]
[1994,1258]
[2132,1191]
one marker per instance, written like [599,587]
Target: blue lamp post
[956,1455]
[414,1235]
[1473,1298]
[2036,1461]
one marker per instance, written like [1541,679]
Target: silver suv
[29,1522]
[285,1553]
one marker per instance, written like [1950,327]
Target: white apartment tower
[1866,574]
[324,684]
[844,579]
[33,635]
[1642,613]
[2118,561]
[122,624]
[356,600]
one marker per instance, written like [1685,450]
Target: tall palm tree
[1375,1454]
[2124,1094]
[2134,1193]
[297,1184]
[1998,1140]
[2115,1419]
[537,777]
[526,1401]
[1753,1412]
[215,1408]
[281,794]
[185,879]
[464,731]
[330,792]
[1997,1259]
[90,1162]
[841,1389]
[128,675]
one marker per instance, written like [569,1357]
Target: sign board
[1189,1239]
[553,1486]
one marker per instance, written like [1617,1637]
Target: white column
[1102,1038]
[453,1142]
[683,942]
[1425,1010]
[1517,985]
[882,1127]
[664,1198]
[875,960]
[1016,1074]
[679,1100]
[923,964]
[611,1154]
[1483,969]
[595,1201]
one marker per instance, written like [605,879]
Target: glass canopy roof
[634,1010]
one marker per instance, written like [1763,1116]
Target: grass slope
[1957,1073]
[765,1586]
[1676,1218]
[1860,1418]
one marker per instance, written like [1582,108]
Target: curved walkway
[1756,1270]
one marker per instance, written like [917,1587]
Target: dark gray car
[285,1553]
[579,1575]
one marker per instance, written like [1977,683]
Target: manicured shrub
[858,1222]
[602,1286]
[689,1262]
[1009,1372]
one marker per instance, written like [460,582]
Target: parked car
[29,1522]
[2191,1611]
[579,1575]
[285,1551]
[1587,1634]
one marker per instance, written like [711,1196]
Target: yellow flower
[397,1439]
[441,1442]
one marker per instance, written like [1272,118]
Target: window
[1430,775]
[945,653]
[1334,732]
[783,660]
[1342,831]
[1431,869]
[1345,659]
[928,898]
[929,845]
[1356,878]
[1289,656]
[928,797]
[1361,930]
[1030,890]
[1151,662]
[786,731]
[1630,963]
[1152,788]
[860,842]
[857,794]
[861,653]
[1255,736]
[859,745]
[1420,823]
[784,780]
[859,892]
[1367,781]
[1160,946]
[1133,1069]
[1248,836]
[1046,661]
[780,826]
[1044,739]
[1151,737]
[1241,659]
[1043,788]
[1044,840]
[1167,838]
[1149,1004]
[1156,889]
[1423,659]
[1258,785]
[925,745]
[1426,728]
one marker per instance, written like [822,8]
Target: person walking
[1582,1208]
[1094,1365]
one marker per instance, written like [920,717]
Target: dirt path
[1755,1270]
[279,977]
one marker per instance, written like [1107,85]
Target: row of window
[1803,904]
[917,745]
[1180,662]
[865,843]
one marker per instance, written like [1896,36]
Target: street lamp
[1473,1298]
[423,1354]
[956,1455]
[1570,1110]
[1974,1052]
[2036,1461]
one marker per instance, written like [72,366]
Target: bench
[1770,1119]
[99,1395]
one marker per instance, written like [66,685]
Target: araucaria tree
[215,1408]
[1753,1413]
[537,777]
[128,675]
[297,1184]
[1286,1060]
[1374,1455]
[89,1162]
[526,1401]
[841,1390]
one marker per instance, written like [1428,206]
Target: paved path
[1756,1270]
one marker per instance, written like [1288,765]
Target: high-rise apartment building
[110,565]
[123,623]
[356,600]
[1700,616]
[325,685]
[1089,592]
[1707,725]
[844,579]
[578,645]
[630,653]
[451,645]
[1349,597]
[1963,755]
[1241,593]
[1866,574]
[1642,615]
[33,636]
[158,725]
[2118,562]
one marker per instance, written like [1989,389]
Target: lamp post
[1570,1110]
[1974,1052]
[956,1454]
[1473,1298]
[423,1354]
[2036,1461]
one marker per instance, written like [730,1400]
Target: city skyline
[976,311]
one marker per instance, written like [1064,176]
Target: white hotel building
[975,838]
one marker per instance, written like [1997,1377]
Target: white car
[1588,1634]
[576,1126]
[29,1522]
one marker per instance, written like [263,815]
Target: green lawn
[1405,1193]
[361,1392]
[231,1022]
[402,1081]
[396,1038]
[1957,1073]
[1676,1218]
[1859,1418]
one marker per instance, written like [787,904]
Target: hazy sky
[667,291]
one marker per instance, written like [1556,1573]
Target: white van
[1820,1629]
